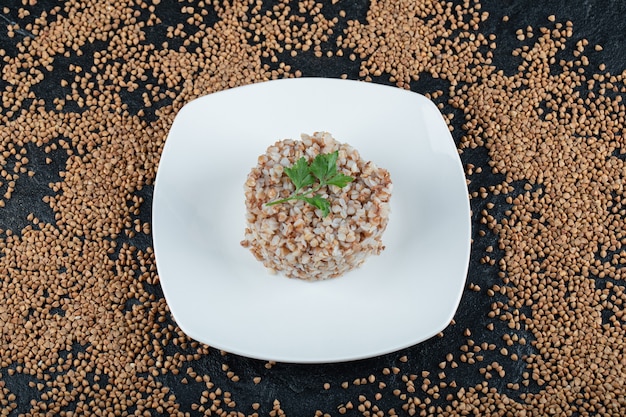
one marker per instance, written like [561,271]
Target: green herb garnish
[322,170]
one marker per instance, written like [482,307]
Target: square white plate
[220,295]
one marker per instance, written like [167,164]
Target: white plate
[220,295]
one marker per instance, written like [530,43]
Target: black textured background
[299,388]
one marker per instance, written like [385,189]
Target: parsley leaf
[302,175]
[340,180]
[319,202]
[324,166]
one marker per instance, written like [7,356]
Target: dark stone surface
[300,387]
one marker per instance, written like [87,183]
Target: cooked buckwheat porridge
[324,238]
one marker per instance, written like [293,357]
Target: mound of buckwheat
[296,238]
